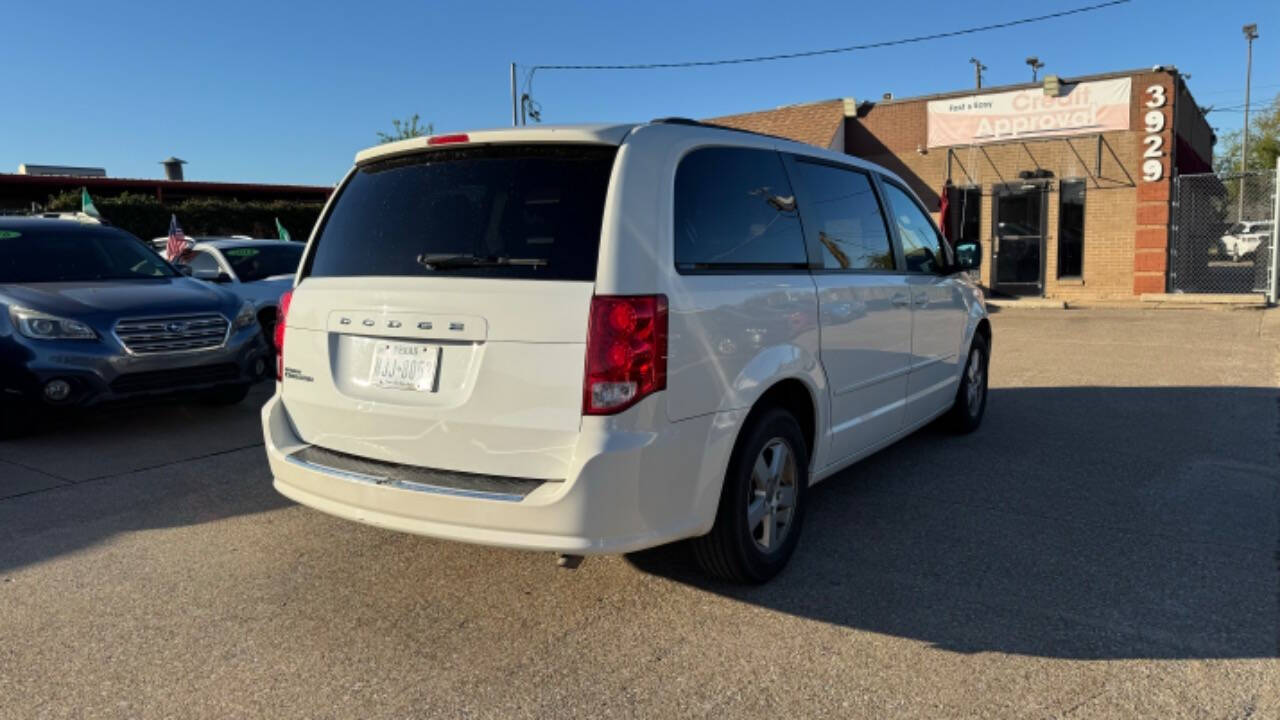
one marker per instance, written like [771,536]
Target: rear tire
[225,395]
[762,503]
[971,397]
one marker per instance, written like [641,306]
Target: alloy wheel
[772,503]
[974,385]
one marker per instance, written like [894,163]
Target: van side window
[921,246]
[840,206]
[735,210]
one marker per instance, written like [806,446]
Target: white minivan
[599,339]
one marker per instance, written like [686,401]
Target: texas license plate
[404,366]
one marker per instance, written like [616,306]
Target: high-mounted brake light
[448,139]
[626,352]
[278,335]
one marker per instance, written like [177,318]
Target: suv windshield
[76,254]
[255,262]
[506,211]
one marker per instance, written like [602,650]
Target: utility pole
[1250,33]
[1035,64]
[978,67]
[514,113]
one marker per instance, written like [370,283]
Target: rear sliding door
[863,303]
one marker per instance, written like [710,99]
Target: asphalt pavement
[1104,546]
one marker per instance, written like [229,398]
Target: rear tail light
[281,315]
[626,352]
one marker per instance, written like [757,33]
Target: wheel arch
[984,329]
[796,397]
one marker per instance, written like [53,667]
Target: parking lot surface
[1104,546]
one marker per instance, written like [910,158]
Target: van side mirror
[968,255]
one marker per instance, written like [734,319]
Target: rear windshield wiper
[444,261]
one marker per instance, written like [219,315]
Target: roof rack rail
[677,121]
[699,123]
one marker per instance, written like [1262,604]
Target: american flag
[177,246]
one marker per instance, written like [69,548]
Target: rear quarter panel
[731,337]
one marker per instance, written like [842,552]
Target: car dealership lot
[1104,545]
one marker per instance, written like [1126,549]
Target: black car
[89,314]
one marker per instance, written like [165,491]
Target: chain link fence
[1223,229]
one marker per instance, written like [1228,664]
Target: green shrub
[147,217]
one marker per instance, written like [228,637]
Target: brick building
[1065,183]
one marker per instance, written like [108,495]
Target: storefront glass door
[1018,250]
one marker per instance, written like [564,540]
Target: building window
[1071,229]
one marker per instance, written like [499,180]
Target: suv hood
[170,296]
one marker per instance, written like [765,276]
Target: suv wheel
[762,504]
[971,397]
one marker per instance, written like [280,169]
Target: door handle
[901,300]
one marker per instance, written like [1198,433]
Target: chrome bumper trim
[390,482]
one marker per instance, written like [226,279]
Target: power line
[528,81]
[832,51]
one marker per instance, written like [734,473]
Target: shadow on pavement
[1078,522]
[118,470]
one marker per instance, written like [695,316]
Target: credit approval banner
[1087,107]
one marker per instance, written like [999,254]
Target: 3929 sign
[1153,122]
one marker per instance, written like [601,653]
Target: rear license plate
[404,366]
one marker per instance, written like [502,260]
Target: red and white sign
[1081,108]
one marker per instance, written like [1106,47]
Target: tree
[1264,142]
[405,129]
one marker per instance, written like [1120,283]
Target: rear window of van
[504,211]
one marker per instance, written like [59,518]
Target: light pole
[1035,64]
[1250,33]
[978,67]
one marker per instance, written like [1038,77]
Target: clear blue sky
[264,92]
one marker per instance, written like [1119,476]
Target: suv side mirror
[968,255]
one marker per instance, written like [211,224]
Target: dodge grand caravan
[601,339]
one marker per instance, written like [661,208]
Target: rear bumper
[628,490]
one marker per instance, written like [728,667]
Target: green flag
[86,204]
[284,234]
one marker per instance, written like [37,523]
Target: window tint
[55,253]
[255,262]
[734,208]
[1071,228]
[921,246]
[841,208]
[505,211]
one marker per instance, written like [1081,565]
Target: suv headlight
[42,326]
[246,316]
